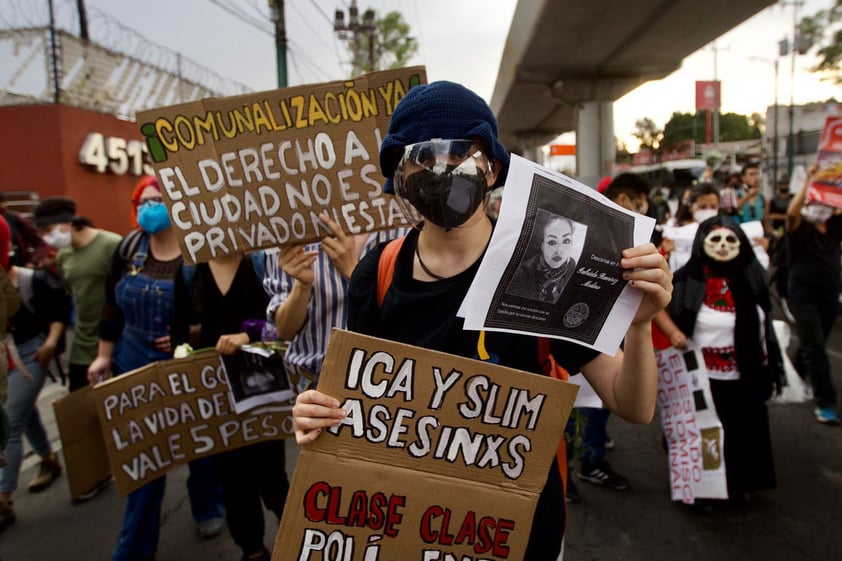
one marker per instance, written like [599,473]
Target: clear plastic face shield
[443,181]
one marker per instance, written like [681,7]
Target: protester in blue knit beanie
[440,110]
[442,157]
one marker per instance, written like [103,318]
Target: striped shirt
[327,308]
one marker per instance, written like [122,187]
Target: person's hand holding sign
[298,263]
[231,343]
[312,412]
[340,248]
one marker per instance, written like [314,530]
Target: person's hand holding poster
[439,457]
[553,265]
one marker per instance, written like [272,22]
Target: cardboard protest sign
[254,171]
[440,457]
[170,412]
[826,185]
[85,453]
[691,427]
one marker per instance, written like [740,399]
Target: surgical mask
[704,213]
[152,217]
[817,214]
[58,238]
[444,181]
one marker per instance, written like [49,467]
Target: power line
[306,22]
[319,8]
[242,16]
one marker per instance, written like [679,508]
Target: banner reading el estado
[255,171]
[439,457]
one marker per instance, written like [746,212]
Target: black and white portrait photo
[563,276]
[257,377]
[551,257]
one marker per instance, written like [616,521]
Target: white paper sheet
[595,306]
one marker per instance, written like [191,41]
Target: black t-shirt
[423,314]
[814,257]
[219,314]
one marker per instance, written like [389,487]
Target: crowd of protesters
[67,277]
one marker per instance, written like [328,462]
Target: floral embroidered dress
[715,328]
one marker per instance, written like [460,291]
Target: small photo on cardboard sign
[257,376]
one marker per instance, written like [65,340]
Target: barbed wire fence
[117,70]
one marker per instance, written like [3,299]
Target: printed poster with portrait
[552,267]
[257,376]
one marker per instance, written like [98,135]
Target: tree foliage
[648,134]
[823,32]
[690,126]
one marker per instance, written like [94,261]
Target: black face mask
[446,199]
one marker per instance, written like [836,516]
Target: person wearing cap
[83,261]
[441,157]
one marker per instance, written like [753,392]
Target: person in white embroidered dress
[721,301]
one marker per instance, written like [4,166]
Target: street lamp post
[793,47]
[276,8]
[773,62]
[352,32]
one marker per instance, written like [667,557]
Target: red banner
[708,95]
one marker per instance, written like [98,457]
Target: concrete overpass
[566,61]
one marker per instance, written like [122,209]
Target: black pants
[248,475]
[815,313]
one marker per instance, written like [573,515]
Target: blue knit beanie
[440,110]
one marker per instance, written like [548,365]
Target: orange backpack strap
[386,267]
[547,361]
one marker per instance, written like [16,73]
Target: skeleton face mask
[722,244]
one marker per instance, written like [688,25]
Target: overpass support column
[595,149]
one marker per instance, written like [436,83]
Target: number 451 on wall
[115,155]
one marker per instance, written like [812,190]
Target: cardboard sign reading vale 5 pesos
[440,457]
[170,412]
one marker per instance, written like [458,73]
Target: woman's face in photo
[558,242]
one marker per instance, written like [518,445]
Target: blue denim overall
[147,305]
